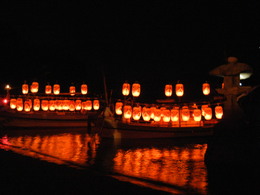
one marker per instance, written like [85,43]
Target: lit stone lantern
[136,89]
[175,115]
[166,115]
[48,89]
[146,114]
[206,88]
[137,112]
[185,114]
[157,115]
[78,104]
[168,90]
[197,114]
[218,112]
[179,89]
[13,103]
[72,105]
[34,87]
[208,113]
[119,108]
[88,105]
[96,104]
[27,105]
[56,89]
[36,104]
[45,105]
[126,89]
[72,90]
[25,88]
[127,111]
[52,105]
[19,104]
[84,89]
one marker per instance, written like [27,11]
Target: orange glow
[175,115]
[206,88]
[25,88]
[56,89]
[84,89]
[48,89]
[45,105]
[34,87]
[96,104]
[118,108]
[13,103]
[72,106]
[166,115]
[152,109]
[19,104]
[66,104]
[36,104]
[168,90]
[126,89]
[136,89]
[72,90]
[52,105]
[197,114]
[127,111]
[219,112]
[185,114]
[146,114]
[27,105]
[137,112]
[208,113]
[157,115]
[88,105]
[179,89]
[77,104]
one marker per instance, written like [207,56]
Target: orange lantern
[83,106]
[72,90]
[96,104]
[72,105]
[203,109]
[52,105]
[48,89]
[58,104]
[118,108]
[206,88]
[78,104]
[127,111]
[137,112]
[66,104]
[126,89]
[56,89]
[19,104]
[157,115]
[152,109]
[179,89]
[218,112]
[197,114]
[185,114]
[27,105]
[146,113]
[88,105]
[34,87]
[136,89]
[13,103]
[168,90]
[25,88]
[175,114]
[36,104]
[166,115]
[208,113]
[84,89]
[45,105]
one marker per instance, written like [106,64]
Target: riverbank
[33,176]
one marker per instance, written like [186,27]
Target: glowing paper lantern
[25,88]
[185,114]
[72,90]
[13,103]
[126,89]
[78,104]
[146,113]
[96,104]
[66,104]
[84,89]
[48,89]
[208,113]
[218,112]
[197,114]
[179,89]
[137,112]
[58,104]
[166,115]
[19,104]
[52,105]
[34,87]
[175,115]
[157,115]
[36,104]
[45,105]
[203,109]
[83,106]
[27,105]
[72,105]
[56,89]
[118,108]
[88,105]
[136,89]
[152,109]
[127,111]
[206,88]
[168,90]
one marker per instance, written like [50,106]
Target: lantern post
[8,88]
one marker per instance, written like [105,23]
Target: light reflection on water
[169,164]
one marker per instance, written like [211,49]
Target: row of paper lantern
[167,115]
[55,89]
[36,104]
[168,90]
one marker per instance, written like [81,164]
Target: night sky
[153,43]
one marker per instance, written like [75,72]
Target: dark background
[152,42]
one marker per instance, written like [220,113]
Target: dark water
[171,165]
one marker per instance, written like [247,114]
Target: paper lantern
[34,87]
[45,105]
[56,89]
[52,105]
[126,89]
[203,109]
[48,89]
[25,88]
[136,89]
[152,109]
[58,104]
[208,113]
[78,104]
[175,114]
[166,115]
[83,106]
[88,105]
[146,114]
[19,104]
[72,90]
[84,89]
[66,104]
[185,114]
[96,104]
[206,88]
[137,112]
[219,112]
[72,105]
[179,89]
[197,114]
[118,108]
[168,90]
[13,103]
[127,111]
[36,104]
[27,105]
[157,115]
